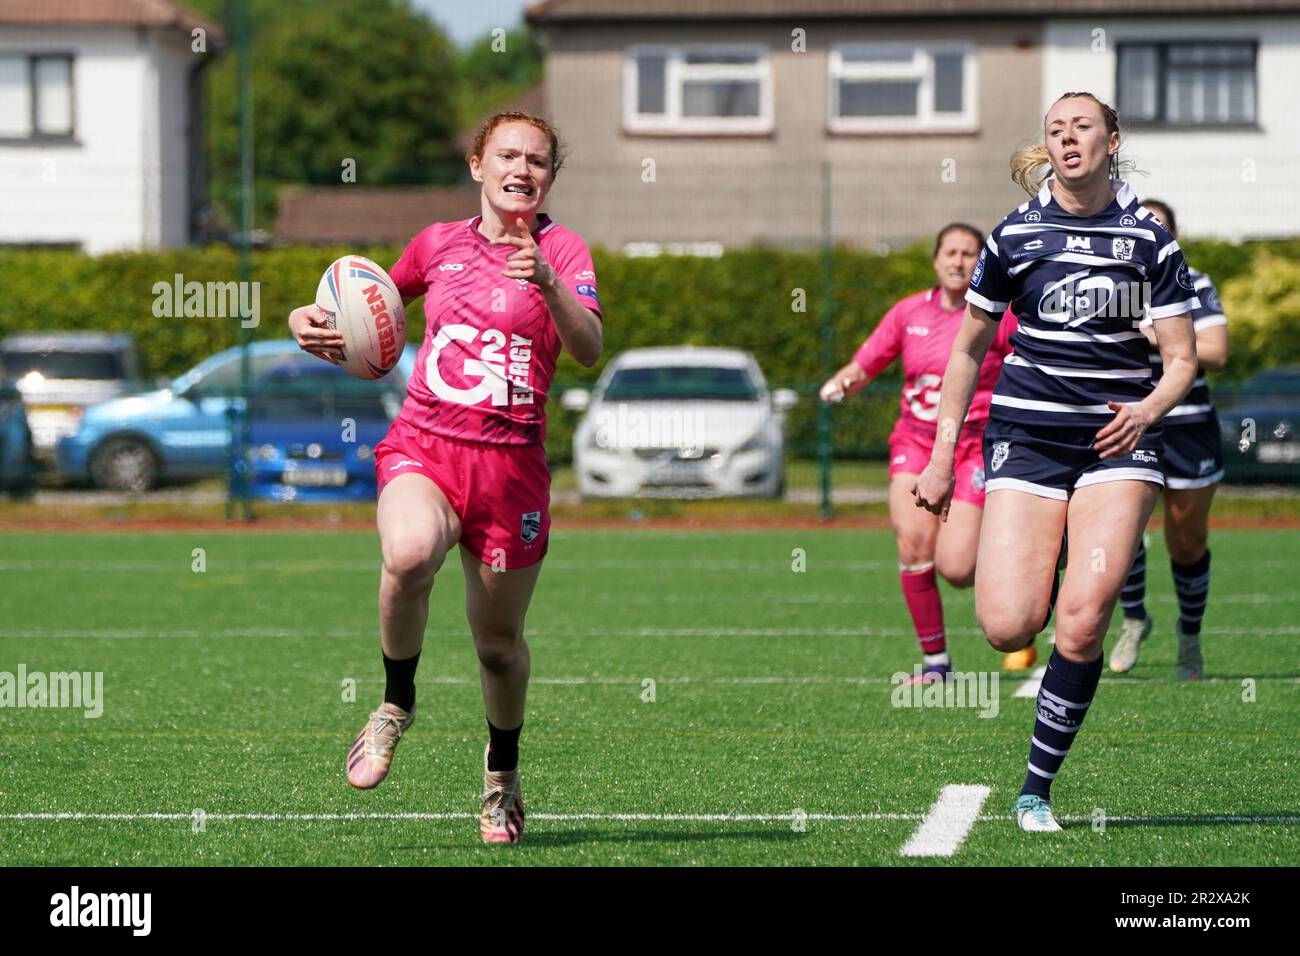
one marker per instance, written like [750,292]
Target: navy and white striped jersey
[1197,407]
[1080,286]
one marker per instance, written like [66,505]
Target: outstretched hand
[527,261]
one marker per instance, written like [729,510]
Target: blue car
[183,431]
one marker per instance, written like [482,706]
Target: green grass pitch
[224,692]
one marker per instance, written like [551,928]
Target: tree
[496,69]
[370,81]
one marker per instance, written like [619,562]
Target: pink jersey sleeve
[1002,341]
[408,272]
[883,345]
[571,260]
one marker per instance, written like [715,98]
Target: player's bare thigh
[417,527]
[1019,546]
[958,544]
[1105,524]
[1187,522]
[915,529]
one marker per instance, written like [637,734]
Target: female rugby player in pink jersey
[464,463]
[921,329]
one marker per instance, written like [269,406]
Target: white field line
[551,632]
[1030,687]
[949,821]
[630,817]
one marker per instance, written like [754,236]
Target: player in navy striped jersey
[1193,467]
[1069,445]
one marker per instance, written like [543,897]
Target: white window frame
[677,71]
[34,133]
[921,69]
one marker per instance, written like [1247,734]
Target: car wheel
[124,464]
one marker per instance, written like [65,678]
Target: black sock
[1133,597]
[503,749]
[1192,582]
[1063,700]
[400,688]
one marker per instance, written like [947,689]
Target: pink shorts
[909,453]
[501,493]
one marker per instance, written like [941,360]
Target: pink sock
[922,596]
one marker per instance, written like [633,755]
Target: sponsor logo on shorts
[1122,248]
[899,460]
[1144,455]
[977,479]
[1033,216]
[1206,466]
[406,461]
[1000,452]
[530,526]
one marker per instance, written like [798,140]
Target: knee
[1008,630]
[412,561]
[960,574]
[915,549]
[499,653]
[1081,627]
[1186,546]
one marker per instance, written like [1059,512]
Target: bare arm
[1212,347]
[1177,344]
[934,487]
[849,380]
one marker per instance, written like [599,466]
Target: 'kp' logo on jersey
[1082,243]
[1000,451]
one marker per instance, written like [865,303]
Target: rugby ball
[362,303]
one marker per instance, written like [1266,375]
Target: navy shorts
[1193,456]
[1052,462]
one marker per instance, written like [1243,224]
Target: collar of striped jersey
[1124,194]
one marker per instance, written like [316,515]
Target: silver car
[60,373]
[682,421]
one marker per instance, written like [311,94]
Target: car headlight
[266,452]
[754,443]
[364,452]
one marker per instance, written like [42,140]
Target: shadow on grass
[584,837]
[1272,819]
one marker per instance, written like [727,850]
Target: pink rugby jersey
[921,330]
[490,346]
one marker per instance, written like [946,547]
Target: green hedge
[743,299]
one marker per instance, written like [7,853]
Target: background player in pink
[921,329]
[464,463]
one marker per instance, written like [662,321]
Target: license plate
[316,477]
[677,472]
[1278,452]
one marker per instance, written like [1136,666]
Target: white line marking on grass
[74,817]
[949,821]
[1030,687]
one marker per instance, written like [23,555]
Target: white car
[683,421]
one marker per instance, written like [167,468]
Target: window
[698,89]
[35,96]
[892,88]
[1187,84]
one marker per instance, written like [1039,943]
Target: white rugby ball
[362,303]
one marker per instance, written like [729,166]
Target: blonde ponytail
[1027,170]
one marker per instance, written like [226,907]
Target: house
[358,215]
[101,123]
[713,123]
